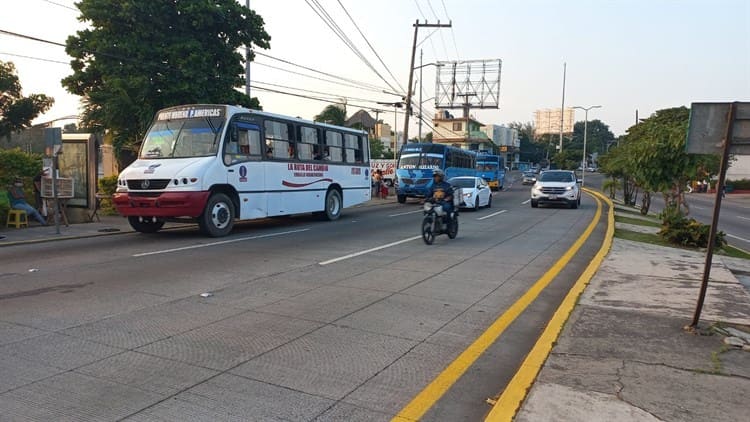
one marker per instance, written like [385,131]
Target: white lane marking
[744,218]
[738,238]
[352,255]
[492,215]
[405,213]
[526,201]
[223,242]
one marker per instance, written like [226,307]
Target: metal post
[562,109]
[585,132]
[715,219]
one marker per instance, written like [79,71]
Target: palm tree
[332,114]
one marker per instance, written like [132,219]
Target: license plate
[553,197]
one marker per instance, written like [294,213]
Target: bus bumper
[166,204]
[412,192]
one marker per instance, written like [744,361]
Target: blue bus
[417,161]
[491,168]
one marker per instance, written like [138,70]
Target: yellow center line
[423,401]
[515,392]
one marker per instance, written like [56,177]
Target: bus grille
[408,181]
[148,184]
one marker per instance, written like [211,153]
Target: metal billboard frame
[473,83]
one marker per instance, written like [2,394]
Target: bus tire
[333,205]
[401,199]
[217,219]
[145,225]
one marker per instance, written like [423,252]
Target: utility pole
[420,94]
[247,61]
[417,25]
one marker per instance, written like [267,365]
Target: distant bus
[491,168]
[212,164]
[417,161]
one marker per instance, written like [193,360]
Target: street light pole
[585,133]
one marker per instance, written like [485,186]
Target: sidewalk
[109,225]
[624,355]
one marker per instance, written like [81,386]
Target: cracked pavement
[624,354]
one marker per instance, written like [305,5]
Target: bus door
[242,158]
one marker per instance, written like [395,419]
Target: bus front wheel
[218,218]
[333,205]
[145,225]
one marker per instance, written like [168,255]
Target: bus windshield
[421,161]
[182,138]
[487,166]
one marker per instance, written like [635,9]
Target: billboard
[468,82]
[547,121]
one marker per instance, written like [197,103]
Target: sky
[624,55]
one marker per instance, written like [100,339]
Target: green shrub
[680,230]
[107,186]
[742,184]
[16,163]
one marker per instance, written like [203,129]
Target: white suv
[555,187]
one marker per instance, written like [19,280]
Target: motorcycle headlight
[427,206]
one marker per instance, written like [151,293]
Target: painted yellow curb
[515,392]
[423,401]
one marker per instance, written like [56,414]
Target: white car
[556,187]
[475,192]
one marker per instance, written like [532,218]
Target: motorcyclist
[441,192]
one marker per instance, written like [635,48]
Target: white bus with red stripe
[215,164]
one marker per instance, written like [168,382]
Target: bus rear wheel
[145,224]
[333,205]
[218,217]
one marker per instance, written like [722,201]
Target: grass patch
[655,239]
[637,221]
[651,238]
[733,252]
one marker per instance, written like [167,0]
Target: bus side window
[334,146]
[242,144]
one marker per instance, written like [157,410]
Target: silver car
[556,187]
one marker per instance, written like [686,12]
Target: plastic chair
[17,219]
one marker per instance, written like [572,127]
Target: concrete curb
[515,392]
[368,204]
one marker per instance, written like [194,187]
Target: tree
[428,137]
[17,111]
[598,137]
[137,57]
[332,114]
[376,148]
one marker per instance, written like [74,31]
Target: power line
[318,78]
[34,58]
[61,5]
[453,34]
[276,91]
[434,51]
[370,45]
[442,39]
[320,72]
[331,23]
[313,92]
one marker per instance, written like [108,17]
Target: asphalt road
[734,217]
[305,320]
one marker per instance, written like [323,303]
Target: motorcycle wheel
[427,235]
[453,228]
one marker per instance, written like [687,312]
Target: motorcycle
[436,222]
